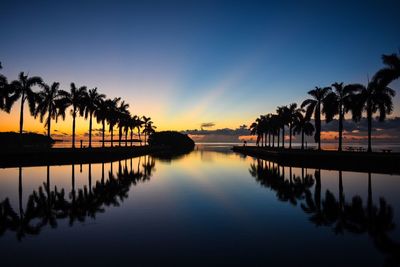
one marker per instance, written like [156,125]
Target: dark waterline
[210,207]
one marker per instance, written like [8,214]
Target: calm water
[210,207]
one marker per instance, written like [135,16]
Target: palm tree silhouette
[5,91]
[49,102]
[123,114]
[338,102]
[92,102]
[375,97]
[22,89]
[313,105]
[148,127]
[76,99]
[101,114]
[112,115]
[303,126]
[255,129]
[285,119]
[293,114]
[392,70]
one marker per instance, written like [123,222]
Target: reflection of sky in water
[202,208]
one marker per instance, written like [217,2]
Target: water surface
[209,207]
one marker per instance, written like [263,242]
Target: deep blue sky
[188,62]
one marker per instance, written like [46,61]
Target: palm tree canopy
[379,96]
[389,73]
[92,101]
[318,94]
[22,88]
[341,98]
[74,98]
[49,101]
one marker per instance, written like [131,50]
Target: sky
[184,63]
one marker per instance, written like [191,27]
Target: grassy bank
[388,163]
[64,156]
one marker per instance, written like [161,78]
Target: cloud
[207,125]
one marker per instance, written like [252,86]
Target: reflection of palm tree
[45,207]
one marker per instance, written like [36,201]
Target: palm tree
[92,102]
[4,93]
[49,102]
[254,130]
[293,114]
[101,114]
[313,105]
[112,115]
[285,118]
[338,102]
[275,125]
[392,70]
[146,121]
[149,128]
[22,89]
[123,114]
[76,99]
[138,124]
[303,126]
[375,97]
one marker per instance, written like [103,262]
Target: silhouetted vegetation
[331,101]
[173,140]
[12,140]
[85,103]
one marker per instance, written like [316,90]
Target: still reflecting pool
[209,207]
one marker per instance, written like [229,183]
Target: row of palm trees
[335,100]
[51,103]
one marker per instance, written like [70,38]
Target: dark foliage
[174,140]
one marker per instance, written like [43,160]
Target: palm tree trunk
[273,139]
[112,136]
[49,122]
[104,129]
[283,137]
[279,135]
[90,129]
[140,139]
[369,118]
[21,115]
[269,138]
[318,125]
[341,115]
[290,136]
[119,136]
[302,139]
[73,128]
[131,137]
[126,138]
